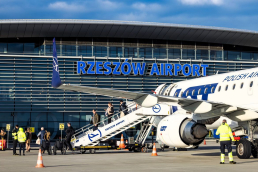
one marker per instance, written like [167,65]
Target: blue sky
[240,14]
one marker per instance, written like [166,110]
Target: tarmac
[205,158]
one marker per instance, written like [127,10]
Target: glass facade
[26,95]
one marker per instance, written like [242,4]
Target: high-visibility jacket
[21,136]
[14,134]
[225,132]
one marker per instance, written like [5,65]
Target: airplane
[233,95]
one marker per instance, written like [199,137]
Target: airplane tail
[56,81]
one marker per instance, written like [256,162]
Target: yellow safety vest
[225,132]
[15,137]
[21,137]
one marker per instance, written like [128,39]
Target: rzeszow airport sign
[126,68]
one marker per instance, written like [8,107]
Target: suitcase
[3,144]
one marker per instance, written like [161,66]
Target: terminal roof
[125,29]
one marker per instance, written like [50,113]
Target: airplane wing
[206,108]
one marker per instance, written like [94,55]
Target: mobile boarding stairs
[85,136]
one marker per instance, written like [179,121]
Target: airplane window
[182,93]
[219,88]
[187,93]
[193,92]
[212,89]
[205,91]
[226,88]
[242,84]
[199,91]
[234,86]
[251,83]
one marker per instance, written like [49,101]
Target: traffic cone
[126,142]
[204,142]
[122,143]
[40,161]
[154,151]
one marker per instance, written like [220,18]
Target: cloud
[202,2]
[106,4]
[147,7]
[60,5]
[132,17]
[86,6]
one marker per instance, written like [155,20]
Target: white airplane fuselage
[238,89]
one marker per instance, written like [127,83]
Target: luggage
[3,144]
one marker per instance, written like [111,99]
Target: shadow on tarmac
[212,154]
[58,165]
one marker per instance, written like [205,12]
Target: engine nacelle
[180,131]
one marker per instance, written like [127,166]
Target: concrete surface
[206,158]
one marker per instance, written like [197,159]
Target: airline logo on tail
[56,81]
[55,64]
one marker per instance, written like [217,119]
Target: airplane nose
[200,131]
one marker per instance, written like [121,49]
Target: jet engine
[180,131]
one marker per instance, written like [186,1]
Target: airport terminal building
[26,95]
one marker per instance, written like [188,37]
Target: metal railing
[131,106]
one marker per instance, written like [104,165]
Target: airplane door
[250,86]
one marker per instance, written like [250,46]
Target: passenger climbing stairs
[85,136]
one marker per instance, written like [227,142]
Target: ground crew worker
[225,140]
[15,139]
[21,140]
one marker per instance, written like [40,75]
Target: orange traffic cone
[122,143]
[154,151]
[40,161]
[204,142]
[126,142]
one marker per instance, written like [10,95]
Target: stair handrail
[88,127]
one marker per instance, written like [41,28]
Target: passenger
[69,132]
[109,112]
[21,140]
[123,109]
[95,119]
[28,137]
[225,134]
[41,135]
[2,134]
[15,139]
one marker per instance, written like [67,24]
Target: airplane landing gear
[247,147]
[243,149]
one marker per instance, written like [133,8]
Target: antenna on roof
[217,72]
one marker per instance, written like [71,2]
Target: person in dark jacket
[123,109]
[15,139]
[95,119]
[109,112]
[69,132]
[41,135]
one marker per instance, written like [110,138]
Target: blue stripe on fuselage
[202,91]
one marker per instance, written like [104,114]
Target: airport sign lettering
[126,68]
